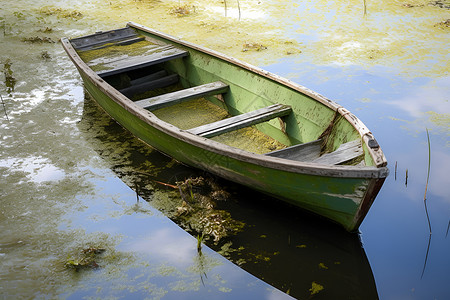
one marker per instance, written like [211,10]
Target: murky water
[69,175]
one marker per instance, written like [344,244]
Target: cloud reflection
[168,244]
[433,96]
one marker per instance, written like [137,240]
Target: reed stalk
[395,173]
[239,8]
[448,226]
[425,203]
[226,8]
[428,178]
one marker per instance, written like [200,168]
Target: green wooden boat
[219,114]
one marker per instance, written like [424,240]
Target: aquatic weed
[10,80]
[38,40]
[182,10]
[315,288]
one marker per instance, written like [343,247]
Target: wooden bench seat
[241,121]
[310,152]
[168,99]
[154,81]
[300,152]
[345,153]
[154,55]
[101,38]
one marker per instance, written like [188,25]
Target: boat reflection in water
[298,253]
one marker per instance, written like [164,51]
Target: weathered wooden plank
[120,42]
[241,121]
[301,152]
[154,56]
[165,100]
[344,153]
[90,41]
[150,85]
[147,78]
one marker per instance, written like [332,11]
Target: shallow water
[69,175]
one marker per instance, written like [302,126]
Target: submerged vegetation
[198,211]
[10,80]
[85,259]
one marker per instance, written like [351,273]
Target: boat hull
[335,198]
[342,194]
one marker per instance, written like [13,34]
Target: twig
[4,107]
[166,184]
[163,183]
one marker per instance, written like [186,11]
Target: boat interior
[143,69]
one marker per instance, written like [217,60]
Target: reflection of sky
[38,169]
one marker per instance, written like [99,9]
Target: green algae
[201,112]
[250,139]
[97,57]
[316,288]
[60,12]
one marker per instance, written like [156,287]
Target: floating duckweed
[45,55]
[248,46]
[60,13]
[182,10]
[444,24]
[315,288]
[38,40]
[323,266]
[46,30]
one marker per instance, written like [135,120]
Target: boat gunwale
[306,168]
